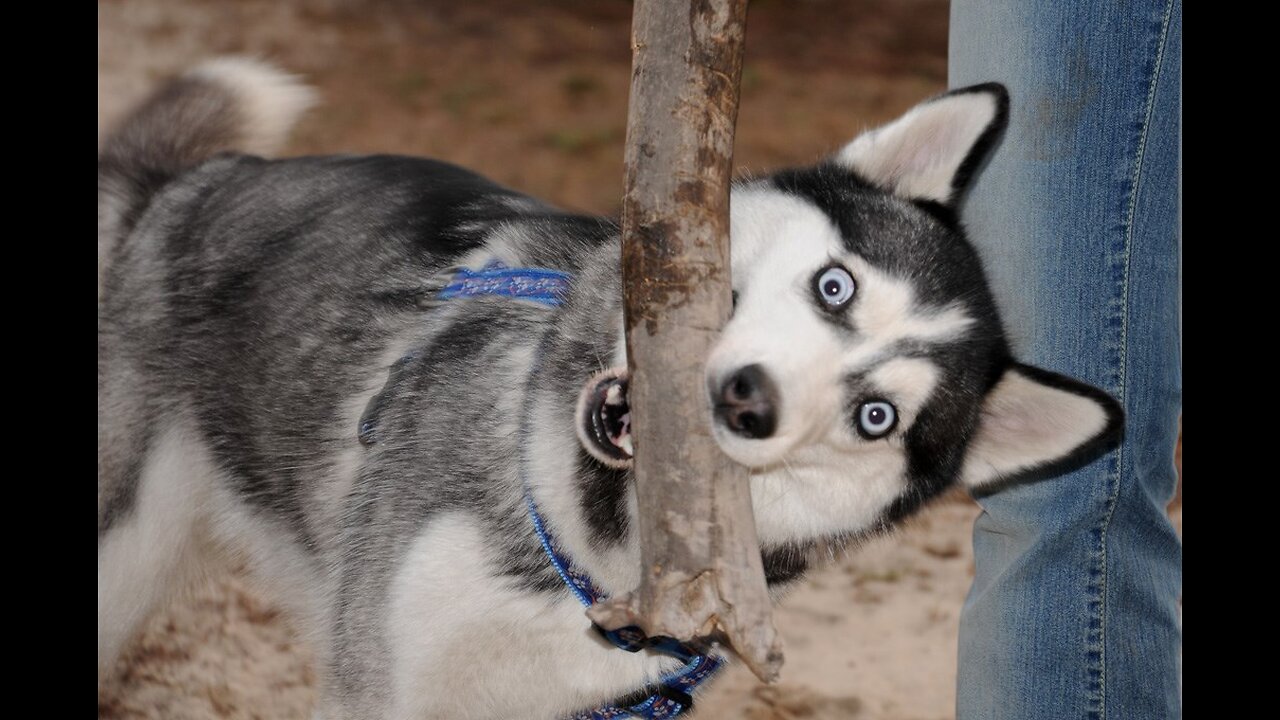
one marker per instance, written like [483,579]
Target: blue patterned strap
[541,285]
[671,697]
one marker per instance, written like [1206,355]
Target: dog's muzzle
[745,404]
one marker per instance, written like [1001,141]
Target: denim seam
[1115,473]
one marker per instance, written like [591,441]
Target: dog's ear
[931,152]
[1036,423]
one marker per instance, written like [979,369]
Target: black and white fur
[251,311]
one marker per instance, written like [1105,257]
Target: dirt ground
[534,95]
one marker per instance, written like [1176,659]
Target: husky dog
[291,368]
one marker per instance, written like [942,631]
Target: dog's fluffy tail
[227,104]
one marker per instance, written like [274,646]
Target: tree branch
[702,569]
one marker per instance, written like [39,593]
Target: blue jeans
[1074,610]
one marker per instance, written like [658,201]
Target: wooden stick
[702,569]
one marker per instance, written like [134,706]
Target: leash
[671,696]
[673,693]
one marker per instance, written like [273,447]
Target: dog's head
[865,368]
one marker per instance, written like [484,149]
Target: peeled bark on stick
[702,573]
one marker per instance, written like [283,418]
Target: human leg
[1073,612]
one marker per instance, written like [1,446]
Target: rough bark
[702,569]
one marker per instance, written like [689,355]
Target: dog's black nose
[747,403]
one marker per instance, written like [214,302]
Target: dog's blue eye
[835,286]
[876,418]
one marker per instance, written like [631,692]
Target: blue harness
[540,285]
[672,695]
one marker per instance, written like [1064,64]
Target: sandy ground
[872,636]
[534,94]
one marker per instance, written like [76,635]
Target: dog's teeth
[624,442]
[613,396]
